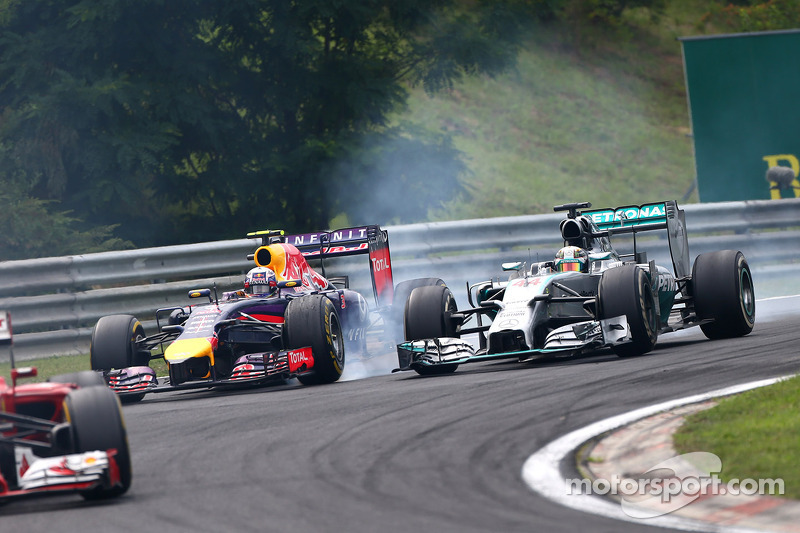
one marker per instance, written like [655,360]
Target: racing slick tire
[626,290]
[312,321]
[95,416]
[8,465]
[427,316]
[401,293]
[84,378]
[723,292]
[113,343]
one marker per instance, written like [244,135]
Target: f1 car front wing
[564,341]
[255,367]
[65,473]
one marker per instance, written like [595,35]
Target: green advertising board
[744,104]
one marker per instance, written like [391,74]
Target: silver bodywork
[539,312]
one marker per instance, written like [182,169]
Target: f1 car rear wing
[321,245]
[628,216]
[662,215]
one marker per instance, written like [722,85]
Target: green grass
[605,120]
[47,367]
[53,366]
[755,434]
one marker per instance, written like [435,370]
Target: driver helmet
[260,281]
[572,259]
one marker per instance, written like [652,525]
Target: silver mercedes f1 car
[588,298]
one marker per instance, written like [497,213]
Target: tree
[187,120]
[754,15]
[31,228]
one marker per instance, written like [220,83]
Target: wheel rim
[449,309]
[746,293]
[650,311]
[337,340]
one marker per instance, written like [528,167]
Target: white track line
[542,472]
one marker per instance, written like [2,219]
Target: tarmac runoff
[629,446]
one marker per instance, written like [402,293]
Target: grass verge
[605,119]
[48,366]
[755,434]
[53,366]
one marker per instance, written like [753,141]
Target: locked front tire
[427,316]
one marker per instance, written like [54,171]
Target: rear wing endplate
[370,240]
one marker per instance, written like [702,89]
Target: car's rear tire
[84,378]
[95,417]
[427,316]
[312,320]
[626,290]
[114,343]
[723,291]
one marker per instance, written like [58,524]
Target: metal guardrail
[55,301]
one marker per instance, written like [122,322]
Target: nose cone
[183,349]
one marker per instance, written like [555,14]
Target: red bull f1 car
[66,435]
[588,298]
[298,324]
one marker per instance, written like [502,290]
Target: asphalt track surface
[396,453]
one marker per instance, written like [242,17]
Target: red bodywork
[42,401]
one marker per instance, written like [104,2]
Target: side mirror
[200,293]
[289,283]
[24,372]
[516,265]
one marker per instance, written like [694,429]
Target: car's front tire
[8,465]
[402,292]
[113,343]
[312,321]
[427,316]
[626,290]
[95,417]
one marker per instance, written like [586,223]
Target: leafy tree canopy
[31,228]
[754,15]
[190,120]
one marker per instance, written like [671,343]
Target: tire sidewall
[426,315]
[312,320]
[402,293]
[626,290]
[744,277]
[334,345]
[647,306]
[96,421]
[433,304]
[722,286]
[113,343]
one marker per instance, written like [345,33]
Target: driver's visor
[569,266]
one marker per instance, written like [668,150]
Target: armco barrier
[55,301]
